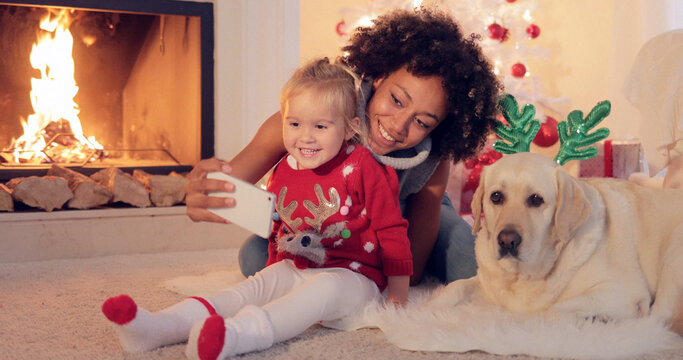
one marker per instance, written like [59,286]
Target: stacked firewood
[62,187]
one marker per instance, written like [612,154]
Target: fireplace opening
[96,84]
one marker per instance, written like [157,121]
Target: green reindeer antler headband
[574,136]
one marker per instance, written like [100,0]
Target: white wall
[634,23]
[256,49]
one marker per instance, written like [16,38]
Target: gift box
[464,178]
[457,190]
[616,158]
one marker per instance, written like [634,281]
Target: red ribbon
[609,172]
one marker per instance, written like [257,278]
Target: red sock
[120,309]
[211,338]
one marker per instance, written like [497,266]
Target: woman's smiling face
[403,110]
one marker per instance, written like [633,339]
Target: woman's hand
[198,186]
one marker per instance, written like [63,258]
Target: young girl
[430,100]
[339,239]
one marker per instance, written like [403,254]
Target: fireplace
[141,86]
[144,72]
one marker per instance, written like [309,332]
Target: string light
[496,66]
[527,15]
[365,21]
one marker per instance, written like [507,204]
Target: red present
[616,158]
[464,178]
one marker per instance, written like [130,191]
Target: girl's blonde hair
[335,85]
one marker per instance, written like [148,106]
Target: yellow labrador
[547,242]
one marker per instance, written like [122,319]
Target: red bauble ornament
[501,118]
[498,32]
[518,70]
[533,30]
[339,27]
[476,165]
[547,135]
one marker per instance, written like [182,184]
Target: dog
[602,249]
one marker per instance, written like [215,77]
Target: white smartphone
[253,208]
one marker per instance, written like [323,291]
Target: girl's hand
[397,290]
[198,186]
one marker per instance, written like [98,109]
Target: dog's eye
[497,197]
[535,200]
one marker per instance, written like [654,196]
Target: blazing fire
[53,133]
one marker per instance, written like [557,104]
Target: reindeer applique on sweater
[308,243]
[339,215]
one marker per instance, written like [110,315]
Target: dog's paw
[643,307]
[599,318]
[455,293]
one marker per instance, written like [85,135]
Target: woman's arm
[262,153]
[424,214]
[254,161]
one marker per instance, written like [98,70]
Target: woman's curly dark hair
[430,43]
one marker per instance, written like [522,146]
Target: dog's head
[531,207]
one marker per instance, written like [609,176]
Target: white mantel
[28,236]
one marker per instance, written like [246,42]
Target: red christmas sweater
[344,213]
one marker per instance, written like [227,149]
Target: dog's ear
[476,204]
[573,206]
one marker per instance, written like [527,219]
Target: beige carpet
[51,310]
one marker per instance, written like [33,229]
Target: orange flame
[54,128]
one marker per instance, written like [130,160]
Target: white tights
[295,299]
[276,304]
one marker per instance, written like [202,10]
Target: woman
[430,99]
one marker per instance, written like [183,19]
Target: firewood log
[46,192]
[6,202]
[87,193]
[165,190]
[124,187]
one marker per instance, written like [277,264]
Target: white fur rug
[490,329]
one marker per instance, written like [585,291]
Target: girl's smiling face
[403,110]
[312,134]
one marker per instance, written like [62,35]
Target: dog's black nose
[509,241]
[305,241]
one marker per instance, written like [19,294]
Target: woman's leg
[324,295]
[453,255]
[141,330]
[253,255]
